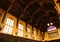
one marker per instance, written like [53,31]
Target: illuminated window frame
[8,28]
[28,32]
[39,34]
[20,30]
[34,33]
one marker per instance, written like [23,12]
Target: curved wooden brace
[30,4]
[27,7]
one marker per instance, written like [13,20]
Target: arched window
[39,35]
[9,26]
[20,30]
[28,32]
[34,34]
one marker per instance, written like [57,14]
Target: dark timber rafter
[28,7]
[8,9]
[34,14]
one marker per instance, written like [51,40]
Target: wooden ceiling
[34,12]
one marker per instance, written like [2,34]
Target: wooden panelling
[10,38]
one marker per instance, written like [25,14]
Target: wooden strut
[9,8]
